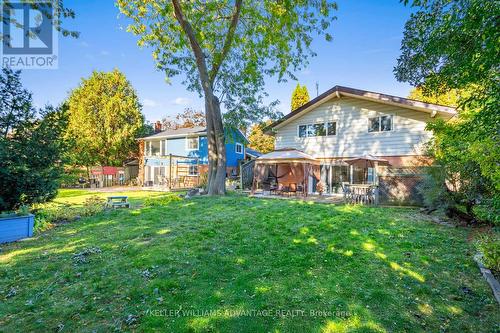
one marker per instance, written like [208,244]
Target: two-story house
[346,133]
[176,158]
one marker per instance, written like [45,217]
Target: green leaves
[104,119]
[450,51]
[271,38]
[31,146]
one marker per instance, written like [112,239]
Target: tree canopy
[31,145]
[186,119]
[105,120]
[449,98]
[451,46]
[300,96]
[258,140]
[225,49]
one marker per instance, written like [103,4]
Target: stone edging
[492,281]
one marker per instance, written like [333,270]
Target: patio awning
[286,156]
[365,159]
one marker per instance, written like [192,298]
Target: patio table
[118,201]
[361,193]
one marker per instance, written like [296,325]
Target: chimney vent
[158,126]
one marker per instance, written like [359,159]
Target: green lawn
[235,264]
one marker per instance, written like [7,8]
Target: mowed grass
[236,264]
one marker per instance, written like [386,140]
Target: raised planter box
[16,227]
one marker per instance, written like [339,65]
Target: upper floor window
[153,148]
[380,124]
[192,143]
[319,129]
[239,148]
[331,128]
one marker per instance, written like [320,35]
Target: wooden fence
[173,172]
[246,175]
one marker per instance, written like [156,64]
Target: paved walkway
[115,189]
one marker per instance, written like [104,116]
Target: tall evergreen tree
[31,145]
[300,96]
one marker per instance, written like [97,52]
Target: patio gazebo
[285,169]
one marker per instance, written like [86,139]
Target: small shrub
[204,180]
[42,222]
[161,201]
[489,246]
[489,211]
[433,190]
[93,206]
[46,218]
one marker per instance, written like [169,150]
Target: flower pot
[16,227]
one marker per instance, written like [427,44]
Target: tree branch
[195,45]
[219,58]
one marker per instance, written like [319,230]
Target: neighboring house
[107,176]
[345,123]
[178,157]
[252,154]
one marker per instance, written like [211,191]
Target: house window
[380,124]
[239,148]
[370,175]
[318,129]
[192,143]
[302,131]
[193,170]
[386,123]
[331,128]
[164,151]
[155,148]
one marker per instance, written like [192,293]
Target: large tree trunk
[216,146]
[215,129]
[219,182]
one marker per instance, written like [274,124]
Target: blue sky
[365,46]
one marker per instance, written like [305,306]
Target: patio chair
[346,190]
[273,188]
[300,189]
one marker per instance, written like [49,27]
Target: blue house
[177,158]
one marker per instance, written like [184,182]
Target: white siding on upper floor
[353,139]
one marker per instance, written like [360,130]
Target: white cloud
[84,44]
[104,53]
[149,102]
[181,101]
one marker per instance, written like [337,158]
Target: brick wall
[399,186]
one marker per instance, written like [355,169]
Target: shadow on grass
[240,264]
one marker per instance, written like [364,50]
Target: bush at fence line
[163,200]
[204,180]
[489,246]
